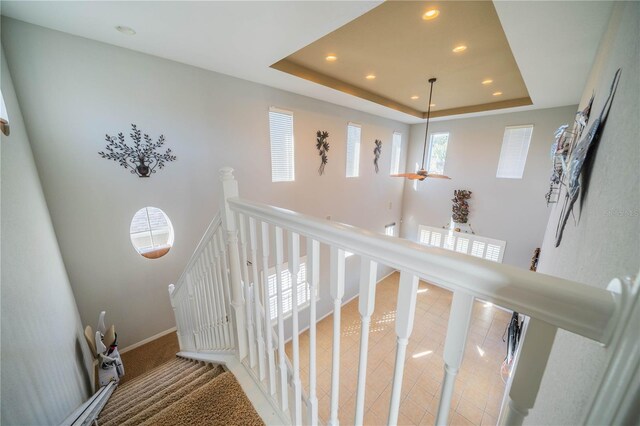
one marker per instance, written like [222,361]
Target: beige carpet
[148,356]
[180,392]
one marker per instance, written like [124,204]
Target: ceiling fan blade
[411,176]
[438,176]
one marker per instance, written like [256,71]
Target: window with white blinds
[151,232]
[390,229]
[396,147]
[438,143]
[513,155]
[282,156]
[302,289]
[353,149]
[475,245]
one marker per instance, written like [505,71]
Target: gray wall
[74,90]
[45,360]
[513,210]
[604,242]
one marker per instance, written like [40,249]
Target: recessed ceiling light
[432,105]
[126,30]
[459,49]
[497,93]
[487,81]
[331,58]
[370,77]
[431,14]
[414,97]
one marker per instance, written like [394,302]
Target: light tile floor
[479,386]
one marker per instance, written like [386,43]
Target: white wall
[74,90]
[513,210]
[45,360]
[604,242]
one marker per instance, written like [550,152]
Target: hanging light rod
[422,174]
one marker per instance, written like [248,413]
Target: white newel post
[455,342]
[528,368]
[230,190]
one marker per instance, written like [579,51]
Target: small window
[513,155]
[282,156]
[353,150]
[390,229]
[396,147]
[151,232]
[437,152]
[287,296]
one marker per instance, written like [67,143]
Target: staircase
[229,312]
[180,392]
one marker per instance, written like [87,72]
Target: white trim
[280,110]
[351,123]
[147,340]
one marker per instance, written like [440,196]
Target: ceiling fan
[422,174]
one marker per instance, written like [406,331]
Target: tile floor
[479,387]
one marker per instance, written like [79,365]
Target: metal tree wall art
[460,207]
[141,158]
[323,147]
[376,153]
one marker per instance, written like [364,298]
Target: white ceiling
[554,43]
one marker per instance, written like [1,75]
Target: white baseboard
[147,340]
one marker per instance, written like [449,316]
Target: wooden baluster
[230,190]
[455,342]
[267,308]
[405,312]
[202,313]
[532,355]
[294,270]
[195,318]
[257,315]
[247,292]
[337,292]
[284,401]
[213,297]
[313,278]
[366,304]
[223,276]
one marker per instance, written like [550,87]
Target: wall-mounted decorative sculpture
[580,162]
[141,158]
[460,207]
[322,144]
[376,153]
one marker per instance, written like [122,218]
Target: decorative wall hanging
[376,153]
[460,208]
[422,174]
[322,145]
[578,168]
[141,158]
[561,151]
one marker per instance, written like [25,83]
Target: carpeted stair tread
[154,408]
[132,407]
[163,374]
[149,377]
[220,402]
[162,382]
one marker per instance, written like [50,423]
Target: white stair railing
[236,279]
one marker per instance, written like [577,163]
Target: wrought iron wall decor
[376,153]
[460,208]
[141,158]
[322,145]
